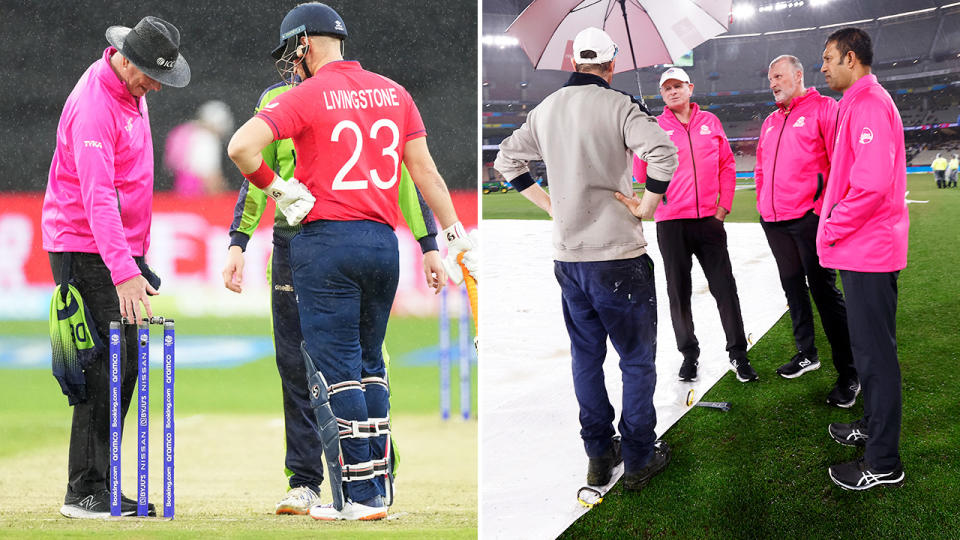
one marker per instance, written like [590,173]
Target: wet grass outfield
[230,448]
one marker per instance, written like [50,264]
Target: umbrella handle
[633,56]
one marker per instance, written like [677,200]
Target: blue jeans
[616,299]
[345,274]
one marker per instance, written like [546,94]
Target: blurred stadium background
[230,434]
[916,58]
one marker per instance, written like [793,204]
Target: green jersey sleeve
[416,213]
[252,201]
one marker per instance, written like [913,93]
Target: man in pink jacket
[863,233]
[690,222]
[96,225]
[793,163]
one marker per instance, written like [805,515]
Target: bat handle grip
[471,285]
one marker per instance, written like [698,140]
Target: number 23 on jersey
[340,134]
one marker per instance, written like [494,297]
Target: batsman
[351,129]
[304,456]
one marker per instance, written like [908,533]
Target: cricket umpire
[863,233]
[690,223]
[793,164]
[587,133]
[96,225]
[351,129]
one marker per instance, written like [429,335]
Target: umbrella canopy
[661,31]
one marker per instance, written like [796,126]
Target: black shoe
[743,369]
[798,365]
[637,480]
[128,507]
[86,506]
[857,475]
[599,469]
[844,394]
[688,370]
[852,434]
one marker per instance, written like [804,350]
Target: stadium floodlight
[499,40]
[818,3]
[743,11]
[780,6]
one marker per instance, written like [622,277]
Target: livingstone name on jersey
[361,99]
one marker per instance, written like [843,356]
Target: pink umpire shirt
[794,148]
[100,188]
[864,222]
[707,174]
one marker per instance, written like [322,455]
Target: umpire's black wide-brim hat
[153,45]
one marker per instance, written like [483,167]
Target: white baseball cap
[674,73]
[593,46]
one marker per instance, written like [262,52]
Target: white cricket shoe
[298,501]
[352,511]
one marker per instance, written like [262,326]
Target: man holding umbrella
[586,133]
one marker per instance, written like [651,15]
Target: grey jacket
[587,133]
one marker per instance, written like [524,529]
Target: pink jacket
[865,221]
[707,174]
[100,189]
[793,157]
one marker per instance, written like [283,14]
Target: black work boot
[599,469]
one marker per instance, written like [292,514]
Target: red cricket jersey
[349,127]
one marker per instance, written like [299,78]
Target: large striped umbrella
[648,32]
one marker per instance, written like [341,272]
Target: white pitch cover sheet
[532,461]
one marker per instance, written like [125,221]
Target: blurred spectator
[952,171]
[193,150]
[939,167]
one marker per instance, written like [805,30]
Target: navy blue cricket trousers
[872,318]
[616,299]
[304,449]
[345,274]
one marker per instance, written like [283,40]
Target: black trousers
[304,453]
[794,246]
[872,316]
[88,461]
[679,239]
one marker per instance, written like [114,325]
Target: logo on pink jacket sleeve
[866,136]
[704,130]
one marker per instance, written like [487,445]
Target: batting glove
[293,199]
[458,241]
